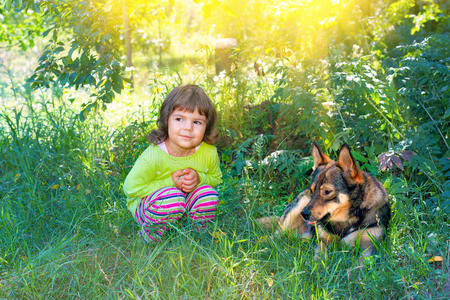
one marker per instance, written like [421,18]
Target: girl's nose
[187,125]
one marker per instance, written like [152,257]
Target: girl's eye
[178,119]
[198,122]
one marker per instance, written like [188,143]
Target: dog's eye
[326,192]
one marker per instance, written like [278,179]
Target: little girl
[176,174]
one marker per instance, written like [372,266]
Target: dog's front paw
[307,232]
[306,235]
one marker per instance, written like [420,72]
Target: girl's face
[185,131]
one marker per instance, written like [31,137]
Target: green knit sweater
[154,167]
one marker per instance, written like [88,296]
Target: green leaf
[84,60]
[80,80]
[45,33]
[71,52]
[86,109]
[58,50]
[358,156]
[117,83]
[72,78]
[91,80]
[63,79]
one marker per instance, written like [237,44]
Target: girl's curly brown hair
[187,97]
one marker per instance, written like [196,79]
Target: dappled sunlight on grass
[65,230]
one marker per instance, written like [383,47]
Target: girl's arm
[141,181]
[213,176]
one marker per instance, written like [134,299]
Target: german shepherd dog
[343,204]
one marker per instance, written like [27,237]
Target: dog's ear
[319,157]
[348,165]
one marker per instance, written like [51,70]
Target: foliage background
[75,112]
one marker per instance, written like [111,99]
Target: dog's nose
[306,214]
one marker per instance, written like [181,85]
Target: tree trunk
[127,38]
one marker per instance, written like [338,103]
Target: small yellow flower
[87,191]
[78,187]
[123,122]
[55,186]
[435,259]
[24,258]
[16,178]
[269,281]
[219,233]
[156,90]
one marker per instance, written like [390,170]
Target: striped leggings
[170,204]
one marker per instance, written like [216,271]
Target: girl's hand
[177,178]
[190,180]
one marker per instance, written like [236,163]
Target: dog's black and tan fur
[344,204]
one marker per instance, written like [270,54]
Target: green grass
[65,231]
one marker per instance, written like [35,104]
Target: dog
[342,204]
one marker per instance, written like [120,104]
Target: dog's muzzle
[306,214]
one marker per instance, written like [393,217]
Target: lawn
[65,231]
